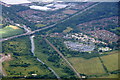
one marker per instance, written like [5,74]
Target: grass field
[111,76]
[111,52]
[93,66]
[87,66]
[111,61]
[1,24]
[40,25]
[10,31]
[68,29]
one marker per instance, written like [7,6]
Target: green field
[93,66]
[40,25]
[10,31]
[68,29]
[111,61]
[111,76]
[87,66]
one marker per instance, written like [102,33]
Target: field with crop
[10,31]
[93,66]
[87,66]
[111,61]
[111,76]
[40,25]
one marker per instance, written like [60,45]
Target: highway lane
[32,32]
[27,33]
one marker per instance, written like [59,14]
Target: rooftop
[14,2]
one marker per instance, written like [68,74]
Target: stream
[33,49]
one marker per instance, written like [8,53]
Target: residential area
[51,12]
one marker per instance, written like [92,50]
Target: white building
[43,8]
[14,2]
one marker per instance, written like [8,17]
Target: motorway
[32,32]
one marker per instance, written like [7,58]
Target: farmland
[10,31]
[93,66]
[111,61]
[111,76]
[40,25]
[89,67]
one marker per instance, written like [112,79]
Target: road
[63,58]
[32,32]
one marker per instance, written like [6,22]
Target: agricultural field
[93,66]
[111,61]
[1,24]
[87,66]
[10,31]
[40,25]
[111,76]
[111,52]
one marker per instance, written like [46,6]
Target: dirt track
[2,59]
